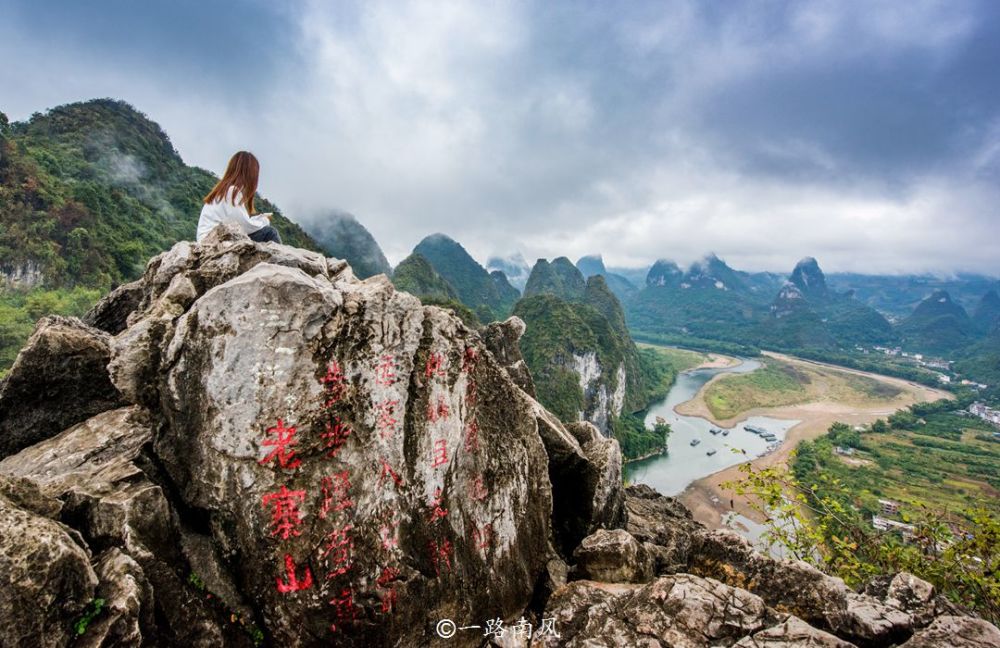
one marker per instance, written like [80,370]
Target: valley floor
[707,499]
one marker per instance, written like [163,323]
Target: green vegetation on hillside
[416,276]
[89,192]
[474,285]
[941,469]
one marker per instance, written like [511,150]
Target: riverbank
[705,497]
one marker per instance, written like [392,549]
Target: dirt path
[705,497]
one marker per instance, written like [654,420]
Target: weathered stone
[956,632]
[587,495]
[912,595]
[464,519]
[502,339]
[682,611]
[46,579]
[110,314]
[798,588]
[126,618]
[613,557]
[59,378]
[93,468]
[793,632]
[663,523]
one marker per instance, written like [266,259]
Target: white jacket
[224,211]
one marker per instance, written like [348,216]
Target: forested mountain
[88,193]
[594,265]
[559,278]
[897,295]
[709,301]
[342,236]
[581,355]
[937,325]
[987,313]
[475,287]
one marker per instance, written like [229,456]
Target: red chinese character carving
[387,471]
[335,435]
[385,417]
[469,359]
[385,371]
[435,366]
[439,410]
[440,453]
[483,537]
[472,437]
[478,490]
[471,393]
[283,438]
[285,518]
[387,582]
[344,608]
[339,544]
[292,582]
[333,384]
[438,512]
[441,555]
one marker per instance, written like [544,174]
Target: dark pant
[266,234]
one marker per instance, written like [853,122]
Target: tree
[823,524]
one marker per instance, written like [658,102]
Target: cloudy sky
[864,133]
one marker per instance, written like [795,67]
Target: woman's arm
[238,214]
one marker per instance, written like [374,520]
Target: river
[672,472]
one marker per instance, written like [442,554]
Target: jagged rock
[912,595]
[94,471]
[501,338]
[682,611]
[956,632]
[110,313]
[46,579]
[793,632]
[613,557]
[798,588]
[430,505]
[126,617]
[586,482]
[59,378]
[663,524]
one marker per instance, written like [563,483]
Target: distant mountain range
[90,191]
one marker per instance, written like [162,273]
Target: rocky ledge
[249,446]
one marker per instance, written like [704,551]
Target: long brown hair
[241,172]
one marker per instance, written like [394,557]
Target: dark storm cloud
[866,134]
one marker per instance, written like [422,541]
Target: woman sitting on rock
[231,201]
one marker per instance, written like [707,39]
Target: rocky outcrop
[307,459]
[502,338]
[956,632]
[681,610]
[59,378]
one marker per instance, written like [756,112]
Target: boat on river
[711,452]
[725,433]
[695,442]
[754,429]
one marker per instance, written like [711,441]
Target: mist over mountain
[514,267]
[593,264]
[342,236]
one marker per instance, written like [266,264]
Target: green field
[679,359]
[939,461]
[779,383]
